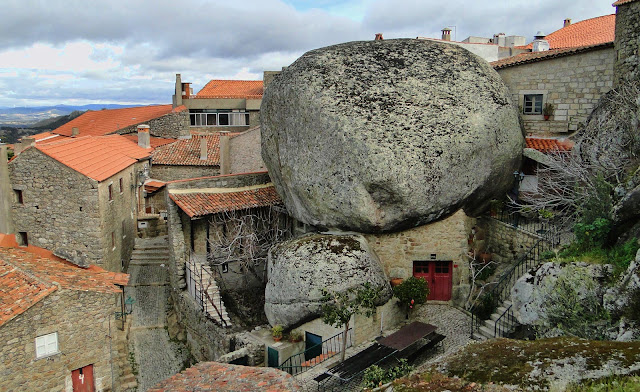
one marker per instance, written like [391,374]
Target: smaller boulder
[299,269]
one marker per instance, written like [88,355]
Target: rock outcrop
[380,136]
[299,269]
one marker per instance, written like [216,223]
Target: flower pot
[485,257]
[396,281]
[546,117]
[277,339]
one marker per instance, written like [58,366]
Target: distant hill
[55,122]
[27,116]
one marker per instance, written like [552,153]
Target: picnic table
[399,344]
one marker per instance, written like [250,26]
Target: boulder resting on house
[299,269]
[380,136]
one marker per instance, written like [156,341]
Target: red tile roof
[213,376]
[27,277]
[620,2]
[196,203]
[532,57]
[248,89]
[588,32]
[103,122]
[187,152]
[155,141]
[97,157]
[153,185]
[546,145]
[46,137]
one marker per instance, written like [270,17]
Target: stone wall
[573,84]
[245,152]
[60,210]
[81,320]
[182,172]
[225,181]
[118,217]
[627,43]
[447,239]
[505,242]
[171,125]
[156,226]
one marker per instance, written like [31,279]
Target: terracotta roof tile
[187,152]
[546,145]
[248,89]
[532,57]
[621,2]
[587,32]
[26,278]
[47,137]
[103,122]
[213,376]
[155,141]
[197,203]
[97,157]
[153,185]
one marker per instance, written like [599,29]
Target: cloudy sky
[79,51]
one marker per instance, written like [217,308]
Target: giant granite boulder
[299,269]
[380,136]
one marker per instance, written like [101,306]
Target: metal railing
[198,282]
[532,225]
[505,323]
[502,290]
[301,362]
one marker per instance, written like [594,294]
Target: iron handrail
[201,291]
[499,329]
[297,363]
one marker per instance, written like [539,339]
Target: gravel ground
[451,322]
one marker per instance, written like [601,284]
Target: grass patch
[610,384]
[526,363]
[619,256]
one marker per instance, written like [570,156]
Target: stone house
[229,105]
[79,198]
[491,49]
[57,322]
[571,75]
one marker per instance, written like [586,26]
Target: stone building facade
[245,152]
[72,314]
[79,218]
[572,81]
[627,46]
[172,125]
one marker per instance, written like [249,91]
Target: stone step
[486,332]
[150,255]
[158,251]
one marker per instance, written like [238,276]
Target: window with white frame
[47,345]
[532,104]
[218,118]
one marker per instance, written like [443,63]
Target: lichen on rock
[380,136]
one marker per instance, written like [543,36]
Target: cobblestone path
[157,357]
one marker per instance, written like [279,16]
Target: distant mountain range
[27,116]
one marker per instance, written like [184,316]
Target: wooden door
[82,379]
[438,275]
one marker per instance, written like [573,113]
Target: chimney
[177,97]
[539,44]
[567,22]
[446,34]
[6,220]
[203,148]
[144,139]
[27,142]
[75,131]
[225,163]
[379,37]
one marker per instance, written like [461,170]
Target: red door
[438,275]
[82,379]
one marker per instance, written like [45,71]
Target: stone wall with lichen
[627,43]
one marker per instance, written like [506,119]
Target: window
[23,240]
[222,117]
[532,104]
[47,345]
[124,229]
[18,196]
[110,192]
[113,240]
[121,185]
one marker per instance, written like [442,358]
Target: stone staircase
[125,373]
[320,358]
[150,251]
[212,291]
[488,327]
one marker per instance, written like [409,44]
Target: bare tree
[245,236]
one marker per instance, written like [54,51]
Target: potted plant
[547,110]
[276,332]
[413,291]
[295,336]
[396,281]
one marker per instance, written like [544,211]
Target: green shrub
[411,292]
[374,375]
[485,306]
[573,308]
[592,235]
